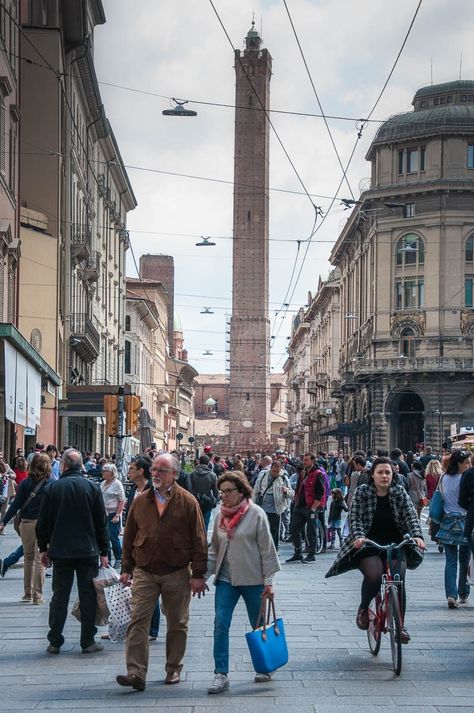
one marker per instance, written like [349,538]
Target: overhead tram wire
[236,106]
[359,135]
[317,97]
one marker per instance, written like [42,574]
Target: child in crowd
[335,517]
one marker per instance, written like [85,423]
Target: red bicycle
[385,612]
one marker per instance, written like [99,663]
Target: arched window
[410,251]
[407,343]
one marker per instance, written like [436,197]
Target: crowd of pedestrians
[72,512]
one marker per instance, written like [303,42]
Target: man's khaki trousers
[175,591]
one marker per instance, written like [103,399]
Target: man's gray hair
[174,462]
[71,459]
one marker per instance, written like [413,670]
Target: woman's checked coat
[361,515]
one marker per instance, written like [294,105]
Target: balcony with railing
[80,243]
[404,365]
[91,270]
[85,339]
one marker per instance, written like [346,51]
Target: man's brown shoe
[132,681]
[172,677]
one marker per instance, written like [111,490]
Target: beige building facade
[76,178]
[146,348]
[390,334]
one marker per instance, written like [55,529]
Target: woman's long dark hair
[381,460]
[455,459]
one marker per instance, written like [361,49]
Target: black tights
[373,568]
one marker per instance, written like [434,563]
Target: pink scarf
[230,517]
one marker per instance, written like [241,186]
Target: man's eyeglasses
[162,471]
[223,493]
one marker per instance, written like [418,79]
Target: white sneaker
[219,684]
[453,603]
[262,677]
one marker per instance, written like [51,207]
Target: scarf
[230,517]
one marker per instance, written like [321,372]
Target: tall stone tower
[249,387]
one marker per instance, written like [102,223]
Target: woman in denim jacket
[451,531]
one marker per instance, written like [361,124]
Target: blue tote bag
[436,504]
[267,642]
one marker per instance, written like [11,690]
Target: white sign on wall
[10,381]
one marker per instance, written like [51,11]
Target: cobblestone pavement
[330,668]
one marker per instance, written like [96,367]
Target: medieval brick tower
[249,393]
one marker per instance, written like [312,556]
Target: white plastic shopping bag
[119,602]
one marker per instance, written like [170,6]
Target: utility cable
[317,97]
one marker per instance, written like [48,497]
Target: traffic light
[133,405]
[111,414]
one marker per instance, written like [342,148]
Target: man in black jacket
[204,488]
[72,533]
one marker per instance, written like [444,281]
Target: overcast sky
[178,49]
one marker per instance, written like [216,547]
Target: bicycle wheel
[394,622]
[319,536]
[374,632]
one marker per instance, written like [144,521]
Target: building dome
[446,108]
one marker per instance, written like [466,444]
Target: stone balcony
[404,365]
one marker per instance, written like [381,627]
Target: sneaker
[464,599]
[219,684]
[294,558]
[362,619]
[26,599]
[262,677]
[152,638]
[453,603]
[309,558]
[39,601]
[93,648]
[405,636]
[53,649]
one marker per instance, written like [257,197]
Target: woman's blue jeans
[114,530]
[226,600]
[457,554]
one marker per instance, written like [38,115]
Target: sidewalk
[330,671]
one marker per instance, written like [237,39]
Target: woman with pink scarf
[243,560]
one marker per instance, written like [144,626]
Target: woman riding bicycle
[383,512]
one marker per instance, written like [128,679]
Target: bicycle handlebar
[407,540]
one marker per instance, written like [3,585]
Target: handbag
[119,602]
[436,504]
[267,642]
[33,494]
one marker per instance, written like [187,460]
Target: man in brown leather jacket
[165,553]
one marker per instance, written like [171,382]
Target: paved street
[330,668]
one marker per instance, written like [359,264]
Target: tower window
[249,216]
[470,155]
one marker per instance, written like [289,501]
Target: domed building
[406,257]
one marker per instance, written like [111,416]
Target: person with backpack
[204,488]
[273,493]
